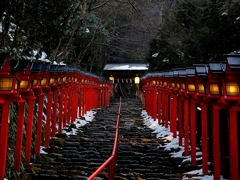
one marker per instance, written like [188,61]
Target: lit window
[214,89]
[6,83]
[232,89]
[24,84]
[44,82]
[201,88]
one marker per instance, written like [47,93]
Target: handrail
[111,161]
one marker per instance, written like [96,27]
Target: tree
[198,31]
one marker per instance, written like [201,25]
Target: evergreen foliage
[196,32]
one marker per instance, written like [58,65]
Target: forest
[88,33]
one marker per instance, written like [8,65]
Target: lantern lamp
[24,84]
[232,76]
[215,76]
[201,78]
[191,87]
[111,79]
[64,79]
[213,89]
[7,84]
[137,80]
[190,77]
[232,89]
[181,80]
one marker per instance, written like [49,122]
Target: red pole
[166,110]
[193,132]
[29,130]
[204,139]
[186,111]
[19,136]
[154,103]
[69,105]
[106,96]
[174,116]
[61,111]
[233,145]
[159,106]
[171,114]
[180,120]
[163,108]
[73,99]
[65,107]
[216,144]
[103,92]
[82,101]
[39,124]
[47,132]
[54,117]
[4,137]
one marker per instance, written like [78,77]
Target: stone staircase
[140,154]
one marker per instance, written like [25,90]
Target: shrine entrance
[126,77]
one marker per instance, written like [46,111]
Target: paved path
[140,154]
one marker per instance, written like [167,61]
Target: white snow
[155,55]
[126,67]
[80,122]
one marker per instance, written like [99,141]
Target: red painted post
[29,130]
[193,132]
[166,110]
[39,124]
[86,102]
[145,100]
[82,101]
[54,116]
[19,136]
[233,145]
[65,107]
[159,106]
[163,108]
[103,92]
[174,116]
[69,106]
[180,120]
[4,137]
[60,124]
[216,144]
[154,103]
[171,114]
[186,111]
[73,109]
[204,139]
[48,120]
[106,96]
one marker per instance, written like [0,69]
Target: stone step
[140,154]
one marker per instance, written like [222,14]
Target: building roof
[127,66]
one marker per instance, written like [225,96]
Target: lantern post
[200,83]
[60,76]
[181,86]
[22,69]
[159,96]
[173,101]
[54,88]
[231,95]
[47,90]
[153,100]
[65,81]
[165,116]
[190,91]
[215,76]
[9,92]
